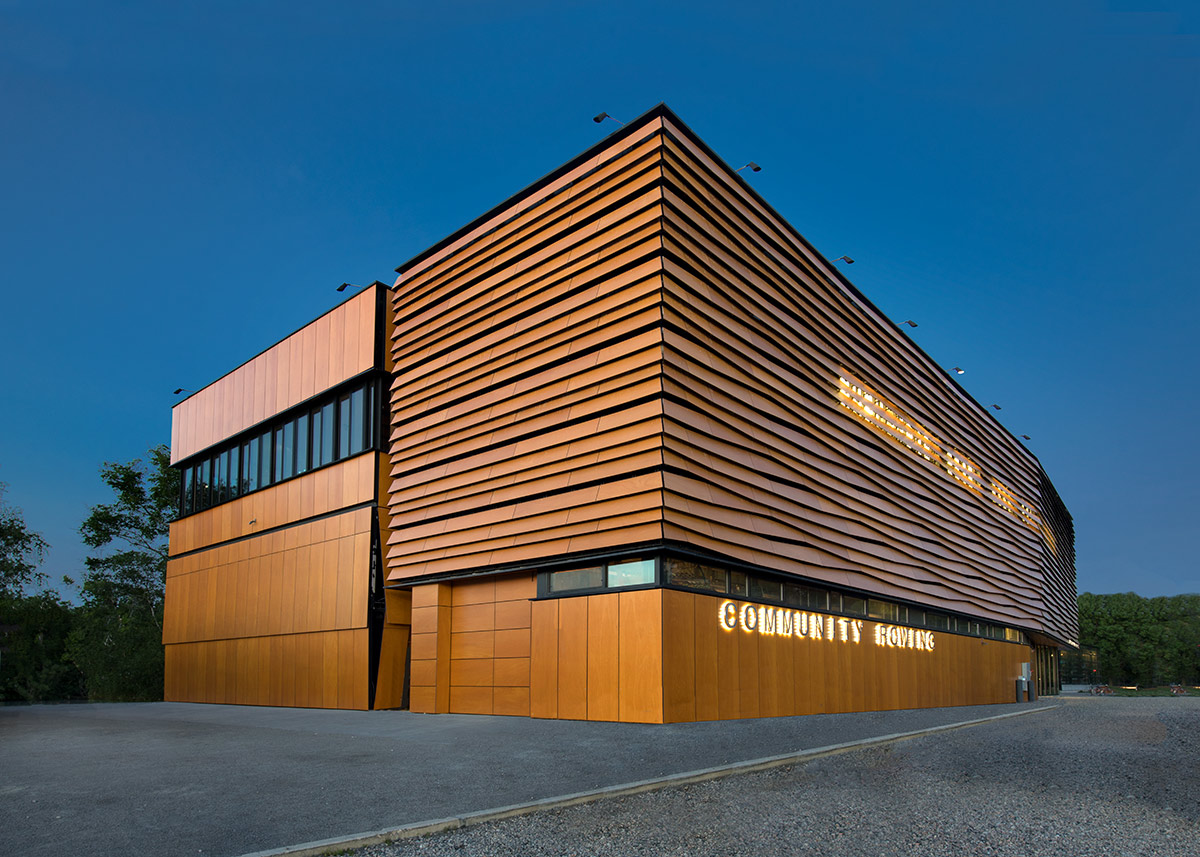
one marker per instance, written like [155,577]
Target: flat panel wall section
[526,406]
[269,596]
[471,646]
[805,433]
[277,617]
[339,345]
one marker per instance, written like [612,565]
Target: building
[625,447]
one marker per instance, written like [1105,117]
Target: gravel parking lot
[1102,777]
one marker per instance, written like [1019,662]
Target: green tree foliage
[21,551]
[1143,641]
[34,666]
[117,641]
[33,628]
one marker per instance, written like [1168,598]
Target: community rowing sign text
[785,622]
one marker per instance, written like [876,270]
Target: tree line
[107,645]
[1147,642]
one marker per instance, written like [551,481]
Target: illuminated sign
[786,622]
[891,422]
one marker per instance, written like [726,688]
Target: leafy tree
[34,666]
[33,628]
[21,551]
[117,642]
[1143,641]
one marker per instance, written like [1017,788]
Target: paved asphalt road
[1107,777]
[178,779]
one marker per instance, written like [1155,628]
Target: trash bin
[1022,690]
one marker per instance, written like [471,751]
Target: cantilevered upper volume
[637,354]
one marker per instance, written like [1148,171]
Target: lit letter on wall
[728,615]
[748,617]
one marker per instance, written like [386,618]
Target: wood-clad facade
[645,456]
[274,589]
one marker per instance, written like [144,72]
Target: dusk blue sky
[185,183]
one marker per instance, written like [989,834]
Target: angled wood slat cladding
[337,346]
[639,349]
[766,466]
[527,395]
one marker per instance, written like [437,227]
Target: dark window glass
[938,621]
[372,416]
[884,610]
[264,459]
[695,576]
[235,472]
[250,466]
[189,481]
[737,583]
[356,421]
[277,471]
[314,422]
[221,478]
[805,596]
[916,617]
[344,427]
[285,455]
[302,443]
[204,495]
[328,433]
[850,605]
[768,589]
[584,578]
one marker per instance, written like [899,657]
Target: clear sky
[185,183]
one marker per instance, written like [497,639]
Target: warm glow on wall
[891,422]
[768,621]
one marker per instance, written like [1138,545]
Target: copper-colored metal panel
[472,644]
[512,701]
[471,700]
[473,617]
[472,672]
[267,509]
[749,681]
[640,646]
[512,643]
[389,688]
[543,662]
[603,625]
[573,659]
[511,672]
[271,670]
[679,654]
[512,614]
[707,675]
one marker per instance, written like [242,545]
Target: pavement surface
[1105,777]
[172,778]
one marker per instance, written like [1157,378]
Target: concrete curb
[439,825]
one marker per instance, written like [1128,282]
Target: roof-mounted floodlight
[959,371]
[182,390]
[600,117]
[1027,437]
[848,261]
[997,407]
[754,168]
[910,322]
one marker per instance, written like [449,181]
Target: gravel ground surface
[1108,777]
